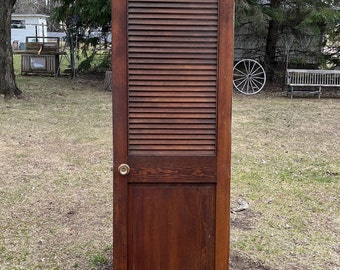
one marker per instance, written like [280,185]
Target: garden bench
[41,55]
[305,78]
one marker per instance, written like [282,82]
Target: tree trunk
[8,86]
[271,42]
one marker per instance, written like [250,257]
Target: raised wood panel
[171,227]
[172,74]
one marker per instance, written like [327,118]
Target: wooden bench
[41,55]
[305,78]
[42,47]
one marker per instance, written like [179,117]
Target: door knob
[124,169]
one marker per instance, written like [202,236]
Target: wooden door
[172,85]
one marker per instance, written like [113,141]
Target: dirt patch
[239,262]
[244,220]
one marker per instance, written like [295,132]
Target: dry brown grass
[286,156]
[56,180]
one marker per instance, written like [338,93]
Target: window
[18,24]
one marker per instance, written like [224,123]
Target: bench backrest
[45,44]
[309,77]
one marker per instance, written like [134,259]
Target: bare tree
[38,7]
[31,6]
[8,86]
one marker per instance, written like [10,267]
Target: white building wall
[34,25]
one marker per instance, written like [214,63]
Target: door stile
[224,97]
[120,127]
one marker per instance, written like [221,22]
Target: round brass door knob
[124,169]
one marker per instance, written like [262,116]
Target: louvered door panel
[172,71]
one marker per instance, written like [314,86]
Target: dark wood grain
[172,90]
[172,227]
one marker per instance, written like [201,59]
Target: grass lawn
[56,179]
[285,164]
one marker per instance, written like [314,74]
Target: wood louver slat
[172,53]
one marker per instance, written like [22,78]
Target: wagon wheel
[249,76]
